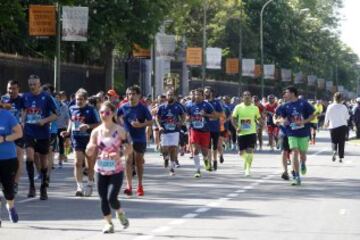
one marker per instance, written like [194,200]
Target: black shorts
[40,146]
[214,140]
[8,169]
[285,144]
[313,125]
[246,141]
[183,139]
[139,147]
[20,142]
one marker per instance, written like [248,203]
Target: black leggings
[233,133]
[8,169]
[338,139]
[61,141]
[108,189]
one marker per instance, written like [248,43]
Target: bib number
[245,124]
[106,165]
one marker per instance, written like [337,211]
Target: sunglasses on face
[105,113]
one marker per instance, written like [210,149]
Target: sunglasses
[106,113]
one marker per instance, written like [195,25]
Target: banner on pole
[139,52]
[75,23]
[248,67]
[42,20]
[329,85]
[269,71]
[299,78]
[194,56]
[213,58]
[311,80]
[285,75]
[232,65]
[165,46]
[321,83]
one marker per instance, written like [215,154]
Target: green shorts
[300,143]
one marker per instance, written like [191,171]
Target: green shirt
[246,117]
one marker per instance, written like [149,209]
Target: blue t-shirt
[132,113]
[7,123]
[227,115]
[82,115]
[37,107]
[282,127]
[297,111]
[214,124]
[197,120]
[53,124]
[16,105]
[170,116]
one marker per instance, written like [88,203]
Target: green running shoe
[197,174]
[123,220]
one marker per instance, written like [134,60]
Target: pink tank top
[108,161]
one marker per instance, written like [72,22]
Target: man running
[15,104]
[296,115]
[199,113]
[135,117]
[315,122]
[246,116]
[39,111]
[272,129]
[83,118]
[170,118]
[214,126]
[259,128]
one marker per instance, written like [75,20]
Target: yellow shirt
[246,117]
[318,110]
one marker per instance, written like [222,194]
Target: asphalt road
[221,205]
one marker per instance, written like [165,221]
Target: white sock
[197,161]
[80,185]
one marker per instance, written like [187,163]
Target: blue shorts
[79,144]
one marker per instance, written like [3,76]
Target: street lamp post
[262,46]
[203,67]
[240,46]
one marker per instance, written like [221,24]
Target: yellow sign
[42,20]
[232,65]
[194,56]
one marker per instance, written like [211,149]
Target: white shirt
[337,115]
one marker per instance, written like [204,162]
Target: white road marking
[202,210]
[27,200]
[232,195]
[240,191]
[177,222]
[145,237]
[213,204]
[190,215]
[248,187]
[342,211]
[161,229]
[255,184]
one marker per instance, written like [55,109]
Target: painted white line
[248,187]
[177,222]
[342,211]
[213,204]
[202,210]
[145,237]
[261,181]
[161,229]
[27,200]
[255,184]
[224,199]
[232,195]
[190,215]
[240,191]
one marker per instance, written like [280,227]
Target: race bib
[245,124]
[106,165]
[198,124]
[76,126]
[294,126]
[33,118]
[170,126]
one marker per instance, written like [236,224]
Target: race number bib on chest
[245,124]
[106,165]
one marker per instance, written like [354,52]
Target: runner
[272,129]
[315,122]
[259,128]
[14,102]
[110,143]
[83,118]
[135,117]
[296,114]
[199,113]
[40,110]
[214,126]
[62,123]
[170,118]
[336,119]
[246,116]
[10,130]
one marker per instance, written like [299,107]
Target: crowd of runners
[108,136]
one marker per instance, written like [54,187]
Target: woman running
[110,143]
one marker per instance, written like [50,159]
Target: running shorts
[214,140]
[200,138]
[170,139]
[300,143]
[40,146]
[247,141]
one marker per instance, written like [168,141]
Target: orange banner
[42,20]
[139,52]
[194,56]
[232,65]
[257,70]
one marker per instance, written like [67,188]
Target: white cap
[358,99]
